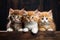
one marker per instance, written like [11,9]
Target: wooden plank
[28,36]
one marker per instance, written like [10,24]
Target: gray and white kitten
[15,20]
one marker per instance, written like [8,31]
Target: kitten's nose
[28,20]
[44,21]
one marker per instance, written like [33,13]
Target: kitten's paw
[20,29]
[25,30]
[34,30]
[50,30]
[42,29]
[9,29]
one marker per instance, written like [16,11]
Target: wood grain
[29,36]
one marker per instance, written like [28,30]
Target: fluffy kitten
[46,22]
[15,20]
[30,20]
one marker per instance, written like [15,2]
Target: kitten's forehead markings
[30,12]
[44,18]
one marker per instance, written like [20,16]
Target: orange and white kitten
[46,22]
[30,19]
[15,20]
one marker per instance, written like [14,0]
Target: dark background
[42,5]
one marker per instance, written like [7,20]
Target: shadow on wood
[28,36]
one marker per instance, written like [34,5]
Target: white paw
[9,29]
[20,29]
[25,30]
[34,30]
[50,30]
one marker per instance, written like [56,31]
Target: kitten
[15,20]
[30,20]
[46,22]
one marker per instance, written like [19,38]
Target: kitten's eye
[13,16]
[46,18]
[42,18]
[27,16]
[32,17]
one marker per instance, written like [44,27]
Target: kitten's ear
[25,12]
[11,10]
[37,12]
[50,12]
[22,9]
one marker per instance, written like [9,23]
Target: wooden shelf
[4,35]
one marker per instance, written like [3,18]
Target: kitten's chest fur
[31,25]
[47,25]
[16,26]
